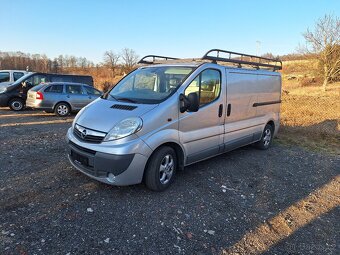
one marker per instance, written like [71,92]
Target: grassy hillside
[309,116]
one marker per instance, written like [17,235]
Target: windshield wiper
[108,94]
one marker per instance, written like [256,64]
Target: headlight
[124,128]
[3,90]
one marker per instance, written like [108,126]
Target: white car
[10,76]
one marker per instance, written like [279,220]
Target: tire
[161,169]
[16,104]
[266,138]
[62,109]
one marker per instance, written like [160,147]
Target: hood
[5,84]
[8,85]
[102,115]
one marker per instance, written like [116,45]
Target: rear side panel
[247,90]
[269,98]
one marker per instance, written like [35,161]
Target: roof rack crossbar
[239,59]
[144,61]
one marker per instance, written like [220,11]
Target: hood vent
[124,107]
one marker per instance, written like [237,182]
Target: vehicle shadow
[326,127]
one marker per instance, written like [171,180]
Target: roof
[23,71]
[65,82]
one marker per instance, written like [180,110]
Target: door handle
[228,109]
[220,110]
[68,96]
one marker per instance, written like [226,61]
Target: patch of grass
[310,117]
[314,142]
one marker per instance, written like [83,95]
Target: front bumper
[109,165]
[4,100]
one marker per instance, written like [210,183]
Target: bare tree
[130,59]
[55,65]
[324,40]
[111,60]
[61,63]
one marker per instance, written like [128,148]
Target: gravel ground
[47,207]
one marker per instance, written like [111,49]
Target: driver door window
[207,85]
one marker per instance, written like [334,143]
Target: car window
[39,78]
[74,89]
[207,85]
[4,76]
[54,89]
[17,75]
[82,79]
[61,78]
[37,88]
[92,91]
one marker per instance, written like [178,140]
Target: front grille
[124,107]
[88,138]
[82,148]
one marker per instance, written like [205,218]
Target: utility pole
[258,48]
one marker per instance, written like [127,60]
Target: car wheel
[161,169]
[266,138]
[16,104]
[62,109]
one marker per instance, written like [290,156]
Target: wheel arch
[178,150]
[65,102]
[271,123]
[15,97]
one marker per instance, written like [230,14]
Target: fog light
[111,177]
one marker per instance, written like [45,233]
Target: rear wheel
[62,109]
[161,169]
[266,138]
[16,104]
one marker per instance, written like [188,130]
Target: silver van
[62,98]
[10,76]
[171,113]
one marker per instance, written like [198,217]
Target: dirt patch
[48,207]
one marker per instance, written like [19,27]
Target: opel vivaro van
[170,113]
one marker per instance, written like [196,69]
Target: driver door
[201,132]
[32,81]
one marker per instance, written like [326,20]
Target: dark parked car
[14,95]
[61,97]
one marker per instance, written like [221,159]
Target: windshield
[150,85]
[21,79]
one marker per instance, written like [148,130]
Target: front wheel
[266,138]
[161,169]
[16,104]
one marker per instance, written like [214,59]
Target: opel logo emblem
[83,133]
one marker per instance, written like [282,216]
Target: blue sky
[165,27]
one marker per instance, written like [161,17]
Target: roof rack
[229,57]
[143,61]
[243,59]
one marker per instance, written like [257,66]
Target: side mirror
[26,84]
[189,103]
